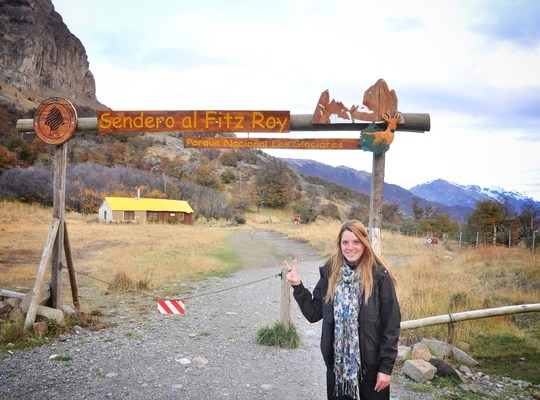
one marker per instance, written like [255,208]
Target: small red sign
[171,307]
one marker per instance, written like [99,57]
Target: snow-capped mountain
[450,194]
[458,201]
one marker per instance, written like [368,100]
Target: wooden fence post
[285,300]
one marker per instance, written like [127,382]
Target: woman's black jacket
[378,320]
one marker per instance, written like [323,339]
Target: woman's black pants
[367,391]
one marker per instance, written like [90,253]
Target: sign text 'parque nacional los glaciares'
[254,143]
[194,121]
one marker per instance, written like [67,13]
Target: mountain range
[458,201]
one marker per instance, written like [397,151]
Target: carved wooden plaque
[194,121]
[55,120]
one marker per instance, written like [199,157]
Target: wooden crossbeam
[412,122]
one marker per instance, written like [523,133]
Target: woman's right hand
[292,276]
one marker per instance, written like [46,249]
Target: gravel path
[209,353]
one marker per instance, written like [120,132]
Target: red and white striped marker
[171,307]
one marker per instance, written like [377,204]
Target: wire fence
[474,239]
[189,297]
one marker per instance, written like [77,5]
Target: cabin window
[129,215]
[152,215]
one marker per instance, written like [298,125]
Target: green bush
[308,211]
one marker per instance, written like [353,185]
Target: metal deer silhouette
[380,103]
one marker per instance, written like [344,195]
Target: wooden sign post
[54,122]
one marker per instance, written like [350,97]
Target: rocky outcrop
[41,58]
[431,358]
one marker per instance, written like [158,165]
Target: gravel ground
[208,353]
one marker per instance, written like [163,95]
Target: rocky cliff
[40,58]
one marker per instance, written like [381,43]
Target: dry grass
[436,280]
[149,256]
[432,280]
[442,279]
[322,234]
[20,245]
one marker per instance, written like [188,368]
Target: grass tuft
[277,335]
[121,282]
[13,336]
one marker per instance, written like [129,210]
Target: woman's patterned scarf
[347,364]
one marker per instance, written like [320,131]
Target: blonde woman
[356,299]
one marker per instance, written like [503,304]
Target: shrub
[121,282]
[278,335]
[239,219]
[308,211]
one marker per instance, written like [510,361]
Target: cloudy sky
[474,66]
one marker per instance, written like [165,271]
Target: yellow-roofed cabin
[138,209]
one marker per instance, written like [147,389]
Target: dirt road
[208,353]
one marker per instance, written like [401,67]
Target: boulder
[463,358]
[67,309]
[446,351]
[43,298]
[5,308]
[419,370]
[14,314]
[421,352]
[445,370]
[403,352]
[51,313]
[438,349]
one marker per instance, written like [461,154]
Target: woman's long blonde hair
[365,267]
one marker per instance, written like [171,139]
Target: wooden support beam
[45,260]
[9,293]
[71,270]
[83,124]
[412,122]
[376,201]
[59,201]
[467,315]
[43,299]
